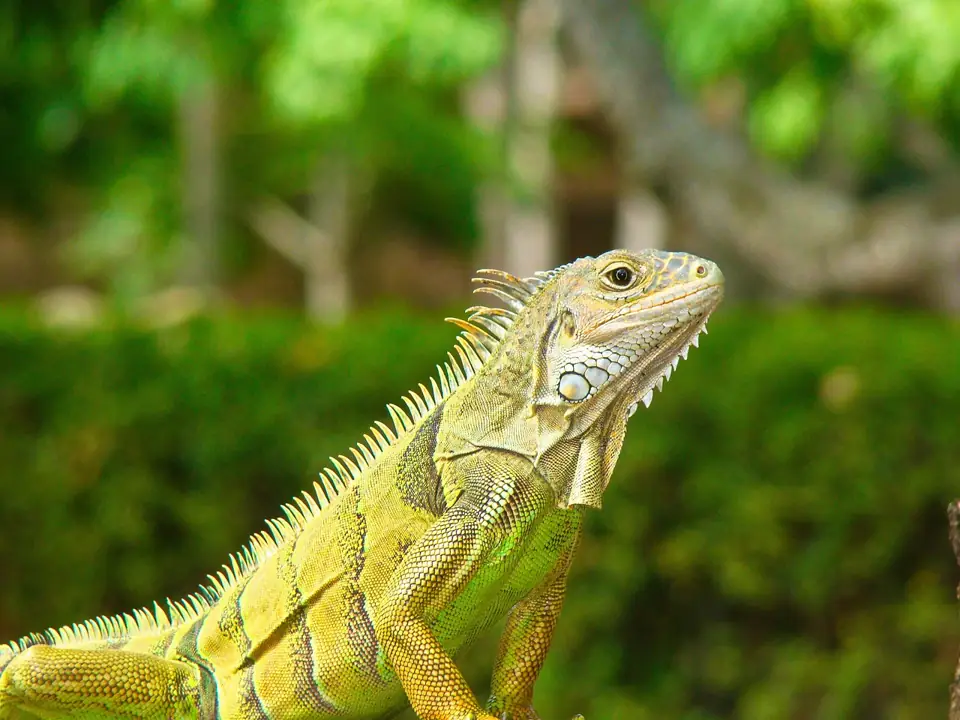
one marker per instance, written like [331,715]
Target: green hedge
[773,544]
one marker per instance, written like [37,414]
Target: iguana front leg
[526,638]
[434,572]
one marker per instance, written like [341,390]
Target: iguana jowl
[469,509]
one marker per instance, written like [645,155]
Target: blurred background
[229,231]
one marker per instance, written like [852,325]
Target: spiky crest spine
[483,330]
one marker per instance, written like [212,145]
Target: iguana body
[469,510]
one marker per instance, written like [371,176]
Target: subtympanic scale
[579,381]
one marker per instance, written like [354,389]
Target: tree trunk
[200,148]
[641,219]
[953,515]
[326,282]
[530,236]
[485,104]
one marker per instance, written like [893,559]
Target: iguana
[469,509]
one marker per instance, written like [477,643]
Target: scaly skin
[469,510]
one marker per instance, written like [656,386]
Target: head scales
[581,353]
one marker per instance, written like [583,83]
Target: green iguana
[468,510]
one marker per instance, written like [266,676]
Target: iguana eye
[620,277]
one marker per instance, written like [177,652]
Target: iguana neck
[497,409]
[579,468]
[494,409]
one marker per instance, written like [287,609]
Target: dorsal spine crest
[482,331]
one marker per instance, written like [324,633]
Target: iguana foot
[505,711]
[526,714]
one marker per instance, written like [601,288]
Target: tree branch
[282,229]
[953,515]
[805,237]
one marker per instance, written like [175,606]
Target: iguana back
[468,509]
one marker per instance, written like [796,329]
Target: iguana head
[586,344]
[621,322]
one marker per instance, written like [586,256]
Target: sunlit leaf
[786,120]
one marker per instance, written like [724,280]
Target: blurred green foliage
[773,544]
[845,74]
[93,96]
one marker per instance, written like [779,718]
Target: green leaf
[785,121]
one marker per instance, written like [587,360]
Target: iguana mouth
[632,364]
[692,340]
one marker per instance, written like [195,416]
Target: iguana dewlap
[469,509]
